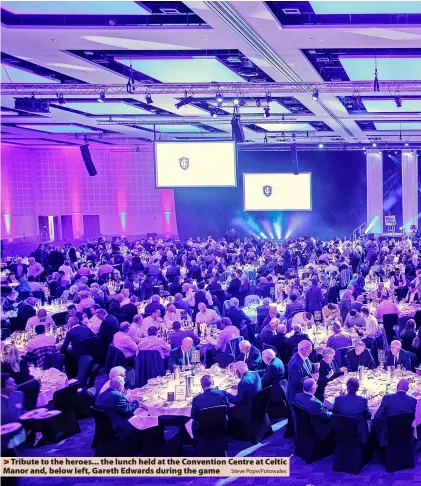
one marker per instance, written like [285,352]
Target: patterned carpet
[317,474]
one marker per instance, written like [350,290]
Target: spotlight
[396,151]
[214,113]
[148,99]
[236,101]
[243,102]
[219,98]
[266,110]
[398,102]
[61,99]
[268,98]
[374,144]
[185,101]
[380,152]
[258,103]
[321,145]
[101,98]
[406,144]
[315,95]
[364,148]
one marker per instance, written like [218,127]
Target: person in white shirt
[126,294]
[40,318]
[35,269]
[94,323]
[66,269]
[153,320]
[229,332]
[208,316]
[174,315]
[123,342]
[135,331]
[189,295]
[371,325]
[304,319]
[154,343]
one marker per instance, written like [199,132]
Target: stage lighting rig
[148,99]
[185,101]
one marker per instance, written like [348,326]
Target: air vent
[233,59]
[170,10]
[291,11]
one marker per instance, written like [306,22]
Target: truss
[388,88]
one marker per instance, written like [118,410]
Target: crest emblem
[267,191]
[184,163]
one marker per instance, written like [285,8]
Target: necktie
[396,361]
[334,367]
[186,359]
[308,366]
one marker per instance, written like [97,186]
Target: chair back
[226,306]
[93,375]
[269,346]
[417,319]
[413,358]
[389,321]
[251,299]
[114,358]
[39,294]
[212,422]
[345,429]
[41,354]
[340,355]
[399,453]
[84,370]
[303,426]
[55,360]
[17,323]
[224,359]
[148,364]
[220,294]
[103,428]
[65,398]
[90,347]
[259,404]
[233,347]
[59,318]
[400,429]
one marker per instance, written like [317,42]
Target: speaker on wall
[86,155]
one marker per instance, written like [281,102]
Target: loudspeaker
[86,155]
[294,159]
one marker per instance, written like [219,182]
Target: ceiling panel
[11,74]
[58,128]
[76,8]
[397,125]
[361,68]
[107,108]
[176,128]
[389,106]
[365,7]
[286,127]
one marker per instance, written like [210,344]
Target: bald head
[403,386]
[309,386]
[305,348]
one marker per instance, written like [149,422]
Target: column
[409,188]
[374,191]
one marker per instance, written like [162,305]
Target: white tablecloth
[373,387]
[52,380]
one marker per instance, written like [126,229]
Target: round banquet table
[153,396]
[51,380]
[408,309]
[373,387]
[251,310]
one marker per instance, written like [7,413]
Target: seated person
[211,397]
[136,330]
[76,334]
[294,307]
[339,338]
[228,332]
[331,312]
[300,368]
[154,343]
[40,318]
[127,375]
[304,319]
[114,403]
[154,305]
[319,415]
[181,356]
[41,345]
[250,355]
[359,356]
[124,342]
[237,315]
[205,315]
[393,404]
[397,356]
[154,320]
[297,336]
[11,410]
[353,405]
[328,371]
[354,319]
[249,385]
[275,370]
[272,314]
[179,334]
[174,315]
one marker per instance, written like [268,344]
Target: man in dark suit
[359,356]
[175,287]
[233,289]
[273,374]
[130,309]
[263,311]
[328,371]
[296,338]
[393,404]
[249,385]
[173,271]
[213,285]
[274,335]
[397,356]
[353,405]
[181,304]
[76,334]
[118,409]
[319,415]
[154,305]
[182,355]
[250,355]
[314,297]
[272,314]
[18,268]
[211,397]
[294,307]
[194,271]
[109,326]
[27,309]
[299,369]
[238,317]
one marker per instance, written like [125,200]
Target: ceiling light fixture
[214,113]
[101,98]
[258,103]
[268,98]
[406,144]
[321,145]
[219,98]
[185,101]
[148,99]
[236,101]
[315,95]
[61,99]
[266,113]
[374,144]
[398,102]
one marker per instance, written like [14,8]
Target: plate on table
[33,413]
[10,428]
[153,381]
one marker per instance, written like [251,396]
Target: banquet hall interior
[210,235]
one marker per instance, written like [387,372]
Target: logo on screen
[184,163]
[267,191]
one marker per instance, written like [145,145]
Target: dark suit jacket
[293,308]
[237,317]
[296,338]
[314,299]
[403,359]
[250,384]
[298,371]
[176,358]
[234,288]
[352,361]
[153,306]
[320,416]
[279,341]
[355,406]
[214,286]
[183,305]
[18,270]
[323,379]
[175,288]
[273,373]
[212,397]
[118,409]
[195,273]
[130,310]
[254,359]
[75,335]
[108,328]
[392,404]
[26,311]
